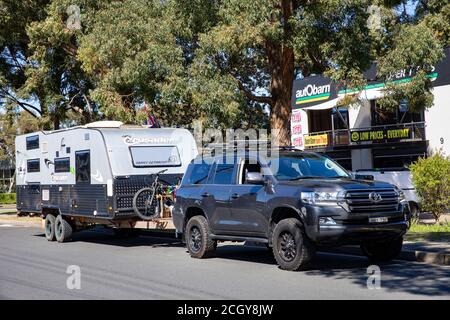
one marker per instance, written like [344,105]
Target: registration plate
[378,220]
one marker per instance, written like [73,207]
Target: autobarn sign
[316,90]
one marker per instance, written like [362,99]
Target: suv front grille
[359,201]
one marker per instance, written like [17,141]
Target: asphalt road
[151,267]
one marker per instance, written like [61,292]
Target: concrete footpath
[433,252]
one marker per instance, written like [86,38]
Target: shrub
[7,198]
[431,178]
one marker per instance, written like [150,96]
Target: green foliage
[431,178]
[415,48]
[226,62]
[7,198]
[12,124]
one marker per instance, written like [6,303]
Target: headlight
[400,193]
[322,198]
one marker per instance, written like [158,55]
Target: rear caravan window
[155,156]
[32,142]
[33,165]
[62,164]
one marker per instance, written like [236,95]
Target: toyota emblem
[375,197]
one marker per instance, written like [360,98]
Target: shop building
[364,136]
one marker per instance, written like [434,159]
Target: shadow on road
[107,237]
[414,278]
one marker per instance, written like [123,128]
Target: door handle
[235,196]
[206,194]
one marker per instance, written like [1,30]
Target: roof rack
[245,145]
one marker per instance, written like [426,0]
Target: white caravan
[89,174]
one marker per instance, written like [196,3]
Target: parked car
[400,177]
[293,203]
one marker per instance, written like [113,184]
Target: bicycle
[147,201]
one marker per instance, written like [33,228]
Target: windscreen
[155,156]
[293,167]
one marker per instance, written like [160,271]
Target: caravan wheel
[49,227]
[63,229]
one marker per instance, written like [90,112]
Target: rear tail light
[174,194]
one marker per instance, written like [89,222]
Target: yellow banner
[316,141]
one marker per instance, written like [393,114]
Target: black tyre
[291,247]
[63,229]
[49,227]
[383,251]
[198,238]
[146,205]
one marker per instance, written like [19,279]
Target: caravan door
[89,198]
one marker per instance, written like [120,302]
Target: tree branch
[252,96]
[23,105]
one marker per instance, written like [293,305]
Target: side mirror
[254,178]
[364,177]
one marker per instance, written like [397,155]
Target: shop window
[340,118]
[319,120]
[397,115]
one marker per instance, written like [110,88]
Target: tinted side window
[199,173]
[83,166]
[32,142]
[224,174]
[62,164]
[33,165]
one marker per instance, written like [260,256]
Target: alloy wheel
[287,247]
[195,240]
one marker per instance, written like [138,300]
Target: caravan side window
[62,164]
[32,142]
[83,166]
[33,165]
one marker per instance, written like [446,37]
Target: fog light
[326,221]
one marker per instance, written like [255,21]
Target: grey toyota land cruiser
[293,202]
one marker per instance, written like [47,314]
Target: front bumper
[348,234]
[354,228]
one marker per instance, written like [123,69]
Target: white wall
[359,115]
[362,159]
[437,120]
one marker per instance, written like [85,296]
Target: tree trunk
[281,61]
[281,65]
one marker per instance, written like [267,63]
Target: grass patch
[429,232]
[7,198]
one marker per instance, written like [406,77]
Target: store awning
[367,94]
[323,106]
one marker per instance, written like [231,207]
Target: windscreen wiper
[306,177]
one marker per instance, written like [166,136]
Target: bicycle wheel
[145,204]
